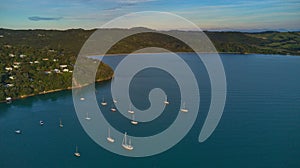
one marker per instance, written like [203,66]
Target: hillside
[39,61]
[70,41]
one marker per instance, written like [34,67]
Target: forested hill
[38,61]
[71,41]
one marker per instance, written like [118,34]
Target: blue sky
[211,15]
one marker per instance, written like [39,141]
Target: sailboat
[18,131]
[77,154]
[115,101]
[8,100]
[166,102]
[184,110]
[41,122]
[133,121]
[109,138]
[124,143]
[113,109]
[60,123]
[130,110]
[87,116]
[103,103]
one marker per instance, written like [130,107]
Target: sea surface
[260,126]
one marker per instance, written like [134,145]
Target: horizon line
[258,30]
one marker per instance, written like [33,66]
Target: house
[36,62]
[54,60]
[22,55]
[56,70]
[45,59]
[9,85]
[11,77]
[7,46]
[48,72]
[8,68]
[65,70]
[16,66]
[17,63]
[63,66]
[11,55]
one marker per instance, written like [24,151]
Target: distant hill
[269,42]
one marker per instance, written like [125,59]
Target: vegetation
[263,43]
[37,61]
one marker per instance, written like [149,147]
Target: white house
[65,70]
[48,72]
[8,68]
[56,70]
[22,55]
[63,66]
[11,55]
[9,85]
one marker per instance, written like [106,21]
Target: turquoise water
[260,126]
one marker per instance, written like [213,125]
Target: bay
[260,126]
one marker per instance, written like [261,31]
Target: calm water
[260,126]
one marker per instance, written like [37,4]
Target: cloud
[134,1]
[38,18]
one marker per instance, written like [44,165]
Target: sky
[242,15]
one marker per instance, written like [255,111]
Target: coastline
[57,90]
[124,54]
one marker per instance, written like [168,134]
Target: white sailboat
[166,102]
[124,143]
[41,122]
[77,154]
[133,120]
[18,131]
[87,116]
[109,138]
[184,110]
[130,110]
[82,98]
[115,101]
[60,123]
[8,100]
[103,103]
[113,109]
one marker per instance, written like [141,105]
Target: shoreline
[56,90]
[124,54]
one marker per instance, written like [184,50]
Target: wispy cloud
[38,18]
[134,1]
[126,3]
